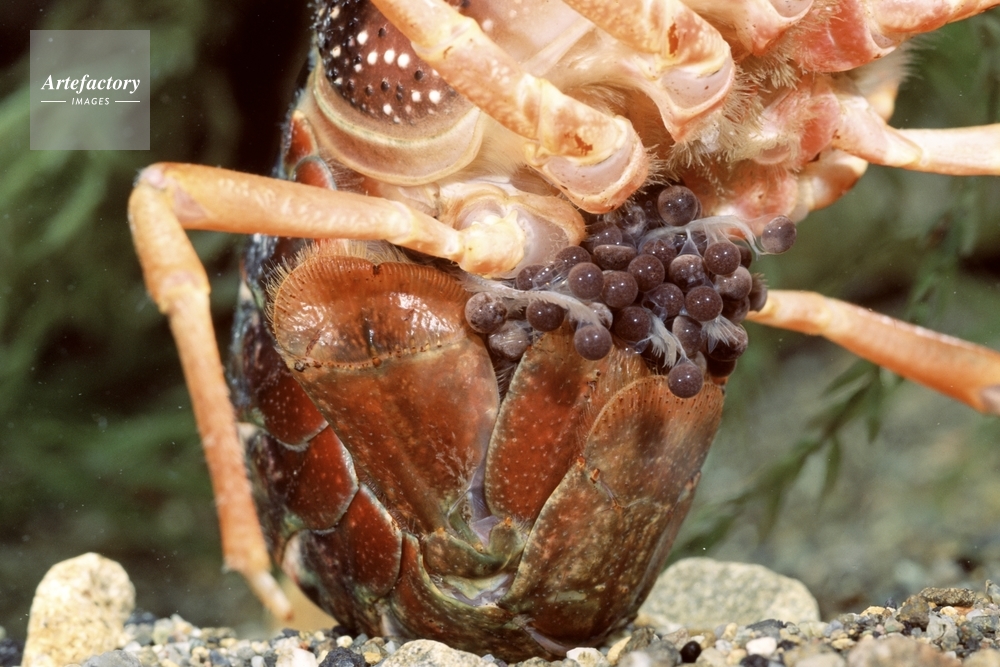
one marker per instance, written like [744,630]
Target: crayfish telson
[507,471]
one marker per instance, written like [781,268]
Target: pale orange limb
[965,151]
[826,180]
[595,158]
[210,198]
[757,23]
[893,17]
[681,62]
[959,369]
[178,284]
[848,34]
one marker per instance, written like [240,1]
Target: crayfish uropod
[488,316]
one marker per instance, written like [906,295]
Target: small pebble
[690,651]
[764,646]
[295,657]
[79,610]
[113,659]
[10,652]
[342,657]
[588,657]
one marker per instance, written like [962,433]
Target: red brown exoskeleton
[459,423]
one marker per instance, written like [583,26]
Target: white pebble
[79,610]
[257,661]
[344,641]
[616,649]
[295,657]
[588,657]
[636,659]
[764,646]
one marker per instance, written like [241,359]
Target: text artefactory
[88,83]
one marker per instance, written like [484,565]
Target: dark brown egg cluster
[653,277]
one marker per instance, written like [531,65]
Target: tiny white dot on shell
[362,37]
[357,68]
[336,52]
[387,109]
[403,61]
[434,96]
[338,81]
[389,56]
[488,25]
[416,96]
[396,119]
[335,12]
[373,57]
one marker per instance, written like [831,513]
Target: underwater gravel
[938,626]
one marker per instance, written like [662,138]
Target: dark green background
[97,444]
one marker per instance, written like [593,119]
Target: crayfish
[489,309]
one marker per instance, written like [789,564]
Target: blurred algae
[98,445]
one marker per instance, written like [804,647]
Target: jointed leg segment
[215,199]
[966,151]
[966,372]
[596,159]
[178,284]
[680,61]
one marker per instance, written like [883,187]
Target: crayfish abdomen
[409,499]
